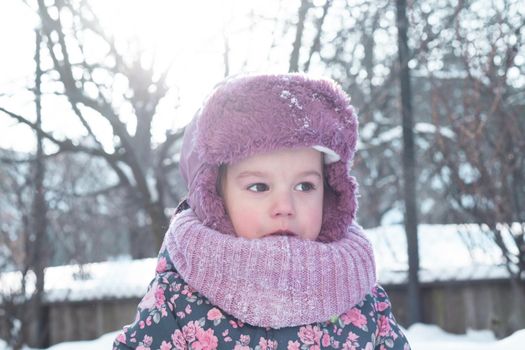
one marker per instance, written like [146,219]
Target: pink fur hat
[259,113]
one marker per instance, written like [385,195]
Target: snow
[104,342]
[420,336]
[89,282]
[396,132]
[447,252]
[430,337]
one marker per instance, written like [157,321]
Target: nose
[283,205]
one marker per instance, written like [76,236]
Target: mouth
[282,233]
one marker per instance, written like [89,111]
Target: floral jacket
[172,316]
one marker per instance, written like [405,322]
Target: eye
[258,187]
[305,187]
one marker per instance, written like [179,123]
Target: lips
[282,233]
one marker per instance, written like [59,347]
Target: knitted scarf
[276,281]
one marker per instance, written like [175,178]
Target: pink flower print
[214,314]
[121,338]
[293,345]
[161,265]
[159,297]
[188,291]
[349,346]
[355,317]
[352,337]
[384,326]
[241,347]
[267,344]
[243,343]
[310,335]
[233,324]
[205,340]
[148,301]
[369,346]
[382,306]
[351,342]
[188,309]
[165,345]
[133,335]
[147,340]
[178,340]
[190,331]
[325,340]
[225,336]
[244,339]
[146,343]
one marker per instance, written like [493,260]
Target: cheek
[245,220]
[314,219]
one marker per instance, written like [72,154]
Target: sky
[187,34]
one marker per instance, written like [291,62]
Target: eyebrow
[249,173]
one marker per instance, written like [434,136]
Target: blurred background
[94,97]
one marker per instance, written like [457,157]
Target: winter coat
[172,315]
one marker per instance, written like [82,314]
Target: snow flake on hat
[293,101]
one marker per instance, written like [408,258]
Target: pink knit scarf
[275,281]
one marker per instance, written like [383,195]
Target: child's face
[279,192]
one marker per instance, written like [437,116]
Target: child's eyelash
[257,187]
[262,187]
[310,186]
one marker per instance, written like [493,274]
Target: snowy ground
[421,337]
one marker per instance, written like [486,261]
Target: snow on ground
[421,337]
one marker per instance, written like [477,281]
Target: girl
[265,253]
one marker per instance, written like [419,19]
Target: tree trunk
[516,318]
[414,309]
[159,222]
[294,58]
[40,244]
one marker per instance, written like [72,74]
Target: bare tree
[409,179]
[481,103]
[138,165]
[38,245]
[15,215]
[297,44]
